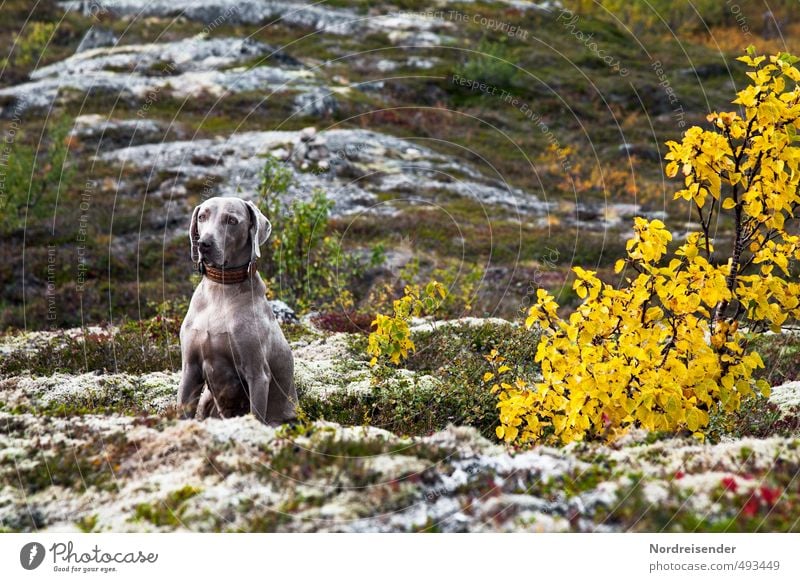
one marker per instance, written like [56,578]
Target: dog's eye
[232,220]
[201,218]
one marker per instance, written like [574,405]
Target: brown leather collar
[227,275]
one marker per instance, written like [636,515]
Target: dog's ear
[260,229]
[194,236]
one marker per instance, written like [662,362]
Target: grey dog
[231,343]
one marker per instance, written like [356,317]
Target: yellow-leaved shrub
[665,349]
[391,338]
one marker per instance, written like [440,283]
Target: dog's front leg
[258,387]
[190,389]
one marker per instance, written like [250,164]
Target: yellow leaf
[511,433]
[763,387]
[694,419]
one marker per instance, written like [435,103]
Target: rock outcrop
[352,166]
[143,74]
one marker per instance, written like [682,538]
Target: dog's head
[226,232]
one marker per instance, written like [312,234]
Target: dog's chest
[227,316]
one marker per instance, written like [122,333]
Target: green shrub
[407,409]
[493,64]
[454,354]
[30,44]
[304,261]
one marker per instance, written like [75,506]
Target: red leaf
[769,495]
[751,507]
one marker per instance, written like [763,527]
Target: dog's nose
[205,244]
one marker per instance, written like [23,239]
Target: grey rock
[410,27]
[143,74]
[97,37]
[104,134]
[308,134]
[644,151]
[283,313]
[352,166]
[318,153]
[597,216]
[319,104]
[420,63]
[215,12]
[371,86]
[386,65]
[706,71]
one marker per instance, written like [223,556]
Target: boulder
[319,104]
[97,37]
[283,313]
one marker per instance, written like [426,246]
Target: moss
[260,519]
[656,436]
[168,512]
[83,466]
[138,347]
[295,332]
[579,482]
[430,526]
[87,523]
[339,461]
[768,507]
[67,409]
[465,347]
